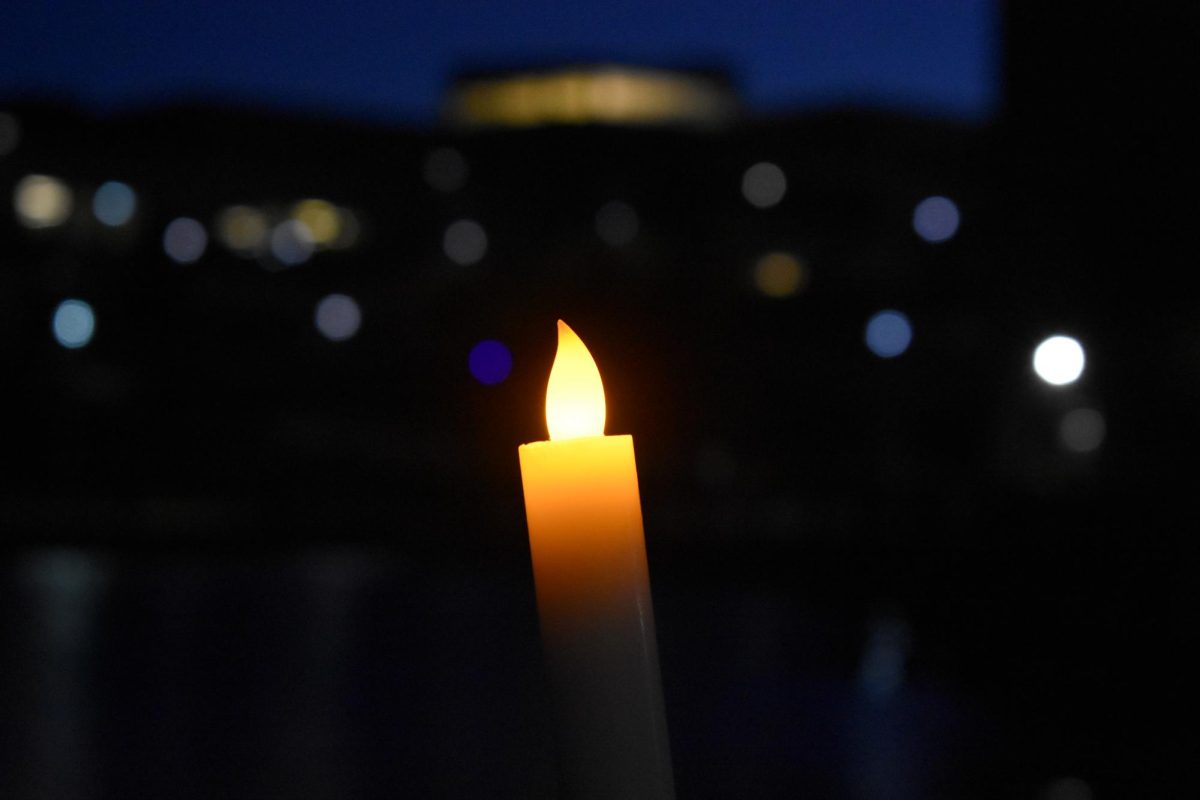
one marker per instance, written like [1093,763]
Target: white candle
[593,591]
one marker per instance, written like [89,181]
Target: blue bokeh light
[889,333]
[935,219]
[114,203]
[73,324]
[490,362]
[185,240]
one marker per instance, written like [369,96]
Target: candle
[593,591]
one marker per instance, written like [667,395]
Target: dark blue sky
[389,60]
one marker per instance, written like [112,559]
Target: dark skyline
[391,61]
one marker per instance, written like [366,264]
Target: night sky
[390,60]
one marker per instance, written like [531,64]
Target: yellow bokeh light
[322,218]
[42,201]
[242,228]
[575,394]
[348,235]
[779,275]
[582,96]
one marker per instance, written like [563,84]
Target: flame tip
[575,392]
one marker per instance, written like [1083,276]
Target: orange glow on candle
[575,393]
[593,589]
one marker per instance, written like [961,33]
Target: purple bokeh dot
[490,362]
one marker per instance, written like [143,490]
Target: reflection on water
[331,672]
[359,672]
[60,592]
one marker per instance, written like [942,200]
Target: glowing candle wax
[593,590]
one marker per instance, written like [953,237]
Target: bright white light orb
[764,185]
[73,323]
[1059,360]
[337,317]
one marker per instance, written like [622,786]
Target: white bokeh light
[42,201]
[465,242]
[445,170]
[184,240]
[616,223]
[1082,430]
[337,317]
[1068,789]
[764,185]
[1059,360]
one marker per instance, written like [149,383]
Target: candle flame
[575,394]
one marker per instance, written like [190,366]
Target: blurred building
[603,94]
[726,272]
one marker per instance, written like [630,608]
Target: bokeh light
[1059,360]
[242,229]
[10,133]
[350,227]
[322,219]
[114,203]
[490,362]
[465,242]
[42,201]
[338,317]
[73,323]
[69,581]
[184,240]
[764,184]
[1082,430]
[881,670]
[1068,789]
[445,170]
[582,96]
[779,275]
[291,243]
[935,219]
[889,333]
[616,223]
